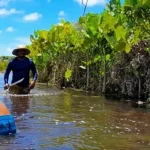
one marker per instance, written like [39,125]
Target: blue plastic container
[7,125]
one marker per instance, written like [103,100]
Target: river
[50,119]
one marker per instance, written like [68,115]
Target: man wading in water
[20,67]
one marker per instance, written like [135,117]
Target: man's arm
[35,75]
[6,75]
[7,72]
[34,71]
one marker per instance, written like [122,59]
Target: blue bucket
[7,125]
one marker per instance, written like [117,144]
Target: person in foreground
[20,67]
[7,122]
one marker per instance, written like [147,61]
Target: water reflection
[74,120]
[20,105]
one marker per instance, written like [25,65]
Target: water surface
[74,120]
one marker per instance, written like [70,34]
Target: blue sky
[20,18]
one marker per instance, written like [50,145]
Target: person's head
[21,52]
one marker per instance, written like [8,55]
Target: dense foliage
[4,62]
[106,52]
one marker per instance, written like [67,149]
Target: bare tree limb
[85,6]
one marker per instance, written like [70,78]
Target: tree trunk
[104,81]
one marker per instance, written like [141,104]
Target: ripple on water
[36,92]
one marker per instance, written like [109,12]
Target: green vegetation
[107,52]
[4,62]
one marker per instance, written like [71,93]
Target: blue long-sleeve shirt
[20,69]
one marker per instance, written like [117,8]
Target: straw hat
[27,51]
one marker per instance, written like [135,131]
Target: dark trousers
[15,89]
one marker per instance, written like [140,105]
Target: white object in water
[140,103]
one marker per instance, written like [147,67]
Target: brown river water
[49,119]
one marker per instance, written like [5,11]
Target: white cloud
[23,40]
[92,2]
[9,49]
[59,24]
[32,17]
[4,2]
[5,12]
[61,14]
[14,44]
[10,29]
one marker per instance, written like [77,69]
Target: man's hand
[32,84]
[6,86]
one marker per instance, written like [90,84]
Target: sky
[20,18]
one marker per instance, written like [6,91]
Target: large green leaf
[108,22]
[120,33]
[96,58]
[68,74]
[131,3]
[120,46]
[127,48]
[107,57]
[43,34]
